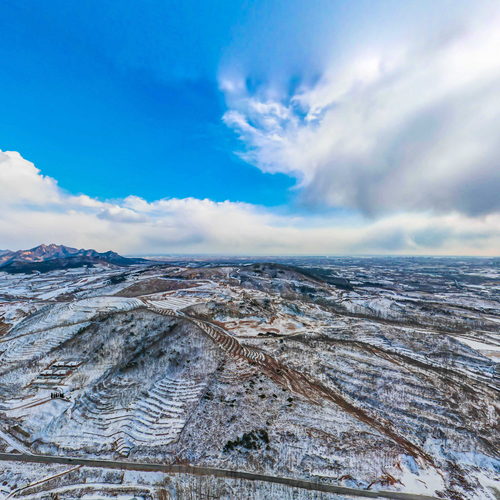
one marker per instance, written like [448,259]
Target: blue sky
[301,120]
[105,94]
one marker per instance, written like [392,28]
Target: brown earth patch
[4,327]
[154,285]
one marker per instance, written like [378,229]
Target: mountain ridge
[48,257]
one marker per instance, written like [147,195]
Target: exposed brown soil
[4,327]
[154,285]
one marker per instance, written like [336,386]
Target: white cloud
[414,128]
[33,209]
[21,182]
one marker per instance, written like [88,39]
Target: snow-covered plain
[389,381]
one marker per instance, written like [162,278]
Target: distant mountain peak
[51,248]
[47,257]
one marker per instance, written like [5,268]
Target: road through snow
[209,471]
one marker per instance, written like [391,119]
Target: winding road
[209,471]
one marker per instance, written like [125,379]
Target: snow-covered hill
[362,375]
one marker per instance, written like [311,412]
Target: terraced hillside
[360,381]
